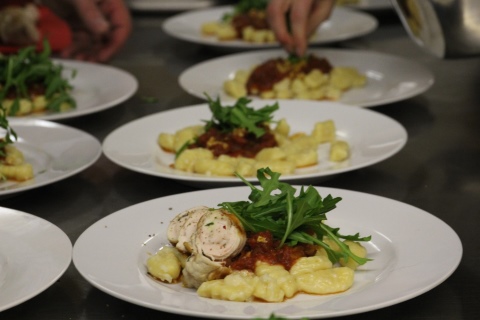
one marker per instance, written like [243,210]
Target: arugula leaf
[291,219]
[10,134]
[240,115]
[246,5]
[26,68]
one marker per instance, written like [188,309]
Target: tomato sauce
[263,247]
[33,91]
[237,143]
[253,18]
[266,75]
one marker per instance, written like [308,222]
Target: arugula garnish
[240,115]
[294,59]
[20,71]
[243,6]
[246,5]
[9,132]
[291,219]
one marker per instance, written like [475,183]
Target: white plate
[370,5]
[111,255]
[168,5]
[33,254]
[372,136]
[389,78]
[343,24]
[96,87]
[55,151]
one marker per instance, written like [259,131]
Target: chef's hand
[294,21]
[99,29]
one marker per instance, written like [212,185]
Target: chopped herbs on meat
[292,219]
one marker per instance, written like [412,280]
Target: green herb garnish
[294,59]
[228,118]
[9,132]
[246,5]
[243,6]
[27,68]
[292,219]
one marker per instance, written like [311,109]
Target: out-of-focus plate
[55,151]
[33,254]
[168,5]
[96,87]
[369,5]
[343,24]
[389,78]
[111,255]
[372,136]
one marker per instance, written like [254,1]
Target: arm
[304,16]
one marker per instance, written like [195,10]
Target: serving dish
[343,24]
[96,87]
[34,254]
[389,78]
[111,255]
[56,152]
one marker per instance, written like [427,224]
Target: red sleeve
[51,27]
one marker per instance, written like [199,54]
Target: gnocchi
[294,151]
[268,283]
[311,84]
[13,165]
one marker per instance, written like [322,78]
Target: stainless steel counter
[438,171]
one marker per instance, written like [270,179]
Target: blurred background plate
[56,152]
[96,87]
[369,5]
[343,24]
[389,78]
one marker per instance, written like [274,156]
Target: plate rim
[167,28]
[66,262]
[93,280]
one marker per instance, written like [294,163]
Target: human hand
[304,16]
[99,29]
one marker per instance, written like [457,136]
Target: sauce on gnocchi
[247,21]
[308,78]
[259,250]
[215,151]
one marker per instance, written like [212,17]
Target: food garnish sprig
[244,6]
[9,132]
[291,219]
[240,115]
[26,68]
